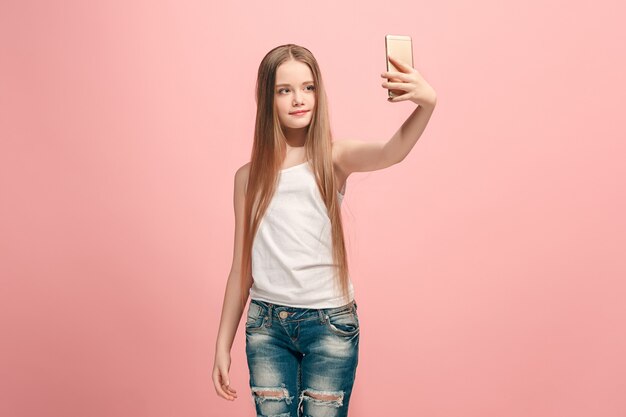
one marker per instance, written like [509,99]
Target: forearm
[232,309]
[409,133]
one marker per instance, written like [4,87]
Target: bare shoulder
[241,177]
[338,150]
[243,170]
[241,180]
[340,173]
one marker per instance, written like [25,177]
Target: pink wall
[488,266]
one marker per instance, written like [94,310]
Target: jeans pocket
[343,323]
[255,317]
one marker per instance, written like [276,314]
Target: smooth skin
[294,91]
[348,156]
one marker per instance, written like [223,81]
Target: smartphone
[400,47]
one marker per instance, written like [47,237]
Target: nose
[297,98]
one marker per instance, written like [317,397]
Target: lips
[299,112]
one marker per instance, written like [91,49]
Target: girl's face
[294,92]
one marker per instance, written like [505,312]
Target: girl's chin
[299,126]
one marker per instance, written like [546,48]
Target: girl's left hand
[412,83]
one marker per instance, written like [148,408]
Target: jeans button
[283,314]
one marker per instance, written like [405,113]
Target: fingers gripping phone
[399,47]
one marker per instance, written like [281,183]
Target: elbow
[399,159]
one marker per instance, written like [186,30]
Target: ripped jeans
[302,361]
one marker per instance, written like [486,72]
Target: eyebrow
[289,85]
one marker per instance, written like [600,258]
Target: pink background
[488,266]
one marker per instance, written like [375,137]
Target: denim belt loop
[269,315]
[322,315]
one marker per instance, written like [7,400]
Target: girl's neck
[296,138]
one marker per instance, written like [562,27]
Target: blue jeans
[302,361]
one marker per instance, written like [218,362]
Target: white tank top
[292,260]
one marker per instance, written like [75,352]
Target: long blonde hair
[268,153]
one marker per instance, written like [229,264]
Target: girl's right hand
[220,376]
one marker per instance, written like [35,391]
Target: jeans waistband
[352,305]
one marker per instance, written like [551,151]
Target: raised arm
[360,156]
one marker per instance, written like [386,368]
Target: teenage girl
[302,328]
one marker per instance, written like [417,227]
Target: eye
[312,87]
[281,89]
